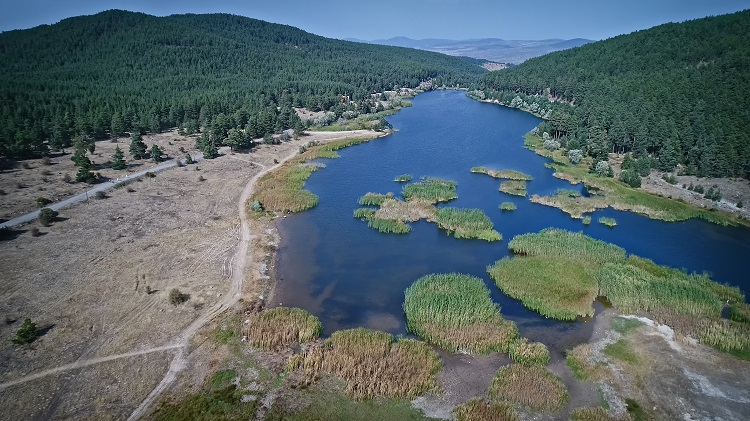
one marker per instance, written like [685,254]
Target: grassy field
[556,287]
[283,190]
[455,312]
[532,387]
[514,187]
[281,327]
[372,364]
[480,410]
[616,194]
[505,174]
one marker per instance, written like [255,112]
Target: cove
[349,275]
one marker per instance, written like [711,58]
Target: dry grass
[480,410]
[371,364]
[529,353]
[455,312]
[506,174]
[533,387]
[576,207]
[579,359]
[282,327]
[514,187]
[596,414]
[409,211]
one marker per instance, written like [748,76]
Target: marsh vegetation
[282,327]
[505,174]
[514,187]
[532,387]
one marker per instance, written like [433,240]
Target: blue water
[350,275]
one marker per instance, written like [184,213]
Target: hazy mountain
[493,49]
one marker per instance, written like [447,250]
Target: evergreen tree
[156,153]
[118,160]
[26,334]
[137,146]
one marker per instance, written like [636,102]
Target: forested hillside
[679,93]
[119,71]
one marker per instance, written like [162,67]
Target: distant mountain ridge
[493,49]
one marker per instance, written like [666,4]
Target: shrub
[26,334]
[67,178]
[100,195]
[699,189]
[47,216]
[46,161]
[603,169]
[631,178]
[149,174]
[42,202]
[176,297]
[35,232]
[575,155]
[740,204]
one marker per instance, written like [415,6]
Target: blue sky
[452,19]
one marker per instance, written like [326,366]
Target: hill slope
[119,71]
[679,92]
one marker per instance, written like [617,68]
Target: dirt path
[237,268]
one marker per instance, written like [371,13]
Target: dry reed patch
[506,174]
[371,364]
[455,312]
[406,211]
[513,187]
[480,410]
[555,287]
[282,327]
[533,387]
[573,206]
[579,360]
[596,414]
[529,353]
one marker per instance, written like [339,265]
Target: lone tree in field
[176,297]
[156,153]
[26,334]
[47,216]
[137,147]
[118,159]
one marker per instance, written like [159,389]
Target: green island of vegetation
[505,174]
[609,222]
[420,199]
[559,273]
[507,206]
[514,187]
[455,312]
[403,178]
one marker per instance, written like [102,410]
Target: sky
[379,19]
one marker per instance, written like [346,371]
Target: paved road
[91,192]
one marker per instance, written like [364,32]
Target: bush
[47,216]
[575,155]
[100,195]
[631,178]
[35,232]
[26,334]
[699,189]
[42,202]
[603,169]
[150,175]
[176,297]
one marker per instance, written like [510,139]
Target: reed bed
[372,364]
[609,222]
[455,311]
[506,174]
[553,242]
[403,178]
[467,223]
[281,327]
[433,190]
[586,220]
[329,149]
[534,387]
[388,226]
[740,312]
[411,211]
[528,353]
[568,193]
[283,190]
[507,206]
[632,289]
[725,335]
[557,287]
[374,199]
[364,213]
[576,207]
[596,414]
[514,187]
[478,409]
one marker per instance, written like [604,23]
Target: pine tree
[137,147]
[156,153]
[118,161]
[26,334]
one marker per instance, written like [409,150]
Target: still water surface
[349,275]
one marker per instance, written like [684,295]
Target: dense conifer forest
[676,93]
[116,72]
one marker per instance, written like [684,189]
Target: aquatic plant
[507,206]
[433,190]
[534,387]
[554,242]
[281,327]
[622,351]
[455,312]
[513,187]
[586,220]
[388,226]
[403,178]
[364,213]
[374,199]
[610,222]
[596,414]
[478,409]
[467,223]
[557,287]
[524,352]
[371,363]
[568,193]
[506,174]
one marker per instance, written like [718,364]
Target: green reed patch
[374,199]
[281,327]
[556,287]
[433,190]
[467,223]
[514,187]
[622,351]
[478,409]
[553,242]
[534,387]
[505,174]
[507,206]
[364,213]
[388,226]
[403,178]
[609,222]
[455,312]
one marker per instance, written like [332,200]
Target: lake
[349,275]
